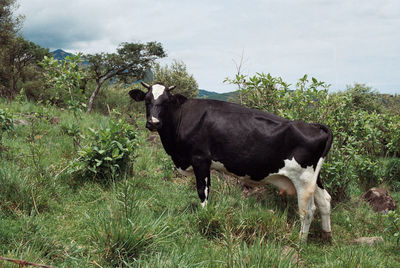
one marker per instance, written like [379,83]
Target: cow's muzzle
[153,126]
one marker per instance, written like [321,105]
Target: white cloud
[339,42]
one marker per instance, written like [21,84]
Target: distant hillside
[204,94]
[60,54]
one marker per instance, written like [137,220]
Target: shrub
[115,97]
[65,79]
[109,154]
[390,172]
[365,169]
[6,124]
[393,225]
[6,120]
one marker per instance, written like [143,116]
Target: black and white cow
[256,146]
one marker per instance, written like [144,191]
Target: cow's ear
[178,99]
[137,94]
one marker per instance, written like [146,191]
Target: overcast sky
[337,41]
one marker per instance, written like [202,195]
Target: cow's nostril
[152,126]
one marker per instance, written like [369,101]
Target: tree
[364,98]
[9,25]
[129,64]
[177,75]
[66,77]
[21,54]
[19,63]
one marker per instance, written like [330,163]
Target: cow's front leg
[201,168]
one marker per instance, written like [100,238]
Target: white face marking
[157,91]
[154,120]
[203,204]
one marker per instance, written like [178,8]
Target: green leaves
[177,75]
[6,120]
[66,77]
[109,154]
[6,123]
[393,225]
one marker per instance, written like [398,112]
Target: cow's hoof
[303,237]
[326,236]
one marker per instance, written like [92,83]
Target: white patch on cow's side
[157,91]
[292,170]
[154,120]
[187,172]
[303,179]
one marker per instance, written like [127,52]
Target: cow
[256,146]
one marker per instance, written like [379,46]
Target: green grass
[154,218]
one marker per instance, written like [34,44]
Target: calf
[256,146]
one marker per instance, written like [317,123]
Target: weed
[393,225]
[109,154]
[124,237]
[6,124]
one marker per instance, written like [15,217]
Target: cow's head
[157,99]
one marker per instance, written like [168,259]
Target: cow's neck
[169,130]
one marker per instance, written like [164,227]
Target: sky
[340,42]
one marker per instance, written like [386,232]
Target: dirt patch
[379,199]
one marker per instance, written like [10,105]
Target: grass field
[154,218]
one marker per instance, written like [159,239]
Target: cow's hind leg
[201,168]
[323,202]
[306,211]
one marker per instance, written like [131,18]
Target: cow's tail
[328,145]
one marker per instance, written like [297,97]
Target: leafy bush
[6,120]
[393,225]
[109,154]
[65,78]
[115,97]
[6,124]
[390,172]
[177,75]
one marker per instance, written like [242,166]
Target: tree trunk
[93,96]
